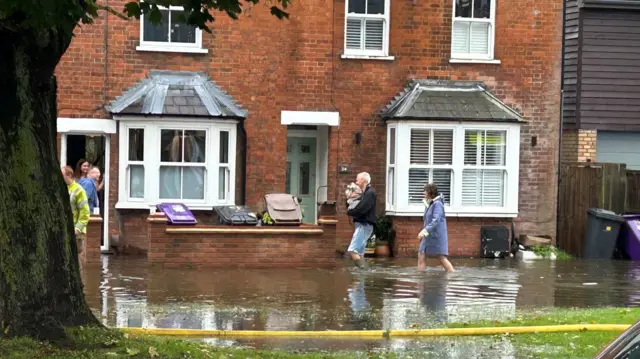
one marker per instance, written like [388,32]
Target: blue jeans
[361,233]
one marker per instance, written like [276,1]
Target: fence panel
[584,186]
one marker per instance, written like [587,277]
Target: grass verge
[108,343]
[563,345]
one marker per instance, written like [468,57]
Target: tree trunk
[40,284]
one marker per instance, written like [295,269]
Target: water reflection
[125,292]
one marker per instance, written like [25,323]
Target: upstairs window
[367,28]
[172,34]
[473,29]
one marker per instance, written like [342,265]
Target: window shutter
[470,37]
[482,188]
[479,42]
[442,147]
[471,145]
[442,179]
[460,37]
[430,148]
[495,148]
[442,155]
[354,34]
[418,177]
[374,34]
[420,140]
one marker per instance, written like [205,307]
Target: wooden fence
[592,185]
[633,192]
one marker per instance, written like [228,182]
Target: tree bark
[40,285]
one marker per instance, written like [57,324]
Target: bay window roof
[177,93]
[444,100]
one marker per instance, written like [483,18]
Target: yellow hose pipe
[382,333]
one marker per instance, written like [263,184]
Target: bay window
[475,167]
[187,162]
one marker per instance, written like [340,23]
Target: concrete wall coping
[247,230]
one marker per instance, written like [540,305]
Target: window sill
[472,61]
[183,50]
[366,57]
[145,205]
[410,213]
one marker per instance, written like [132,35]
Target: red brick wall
[132,226]
[92,251]
[243,250]
[269,65]
[464,235]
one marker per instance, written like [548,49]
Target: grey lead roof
[176,93]
[449,100]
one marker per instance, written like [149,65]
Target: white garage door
[619,147]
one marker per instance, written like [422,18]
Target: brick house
[465,94]
[601,118]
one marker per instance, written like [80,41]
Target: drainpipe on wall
[560,127]
[244,162]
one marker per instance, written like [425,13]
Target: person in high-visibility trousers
[79,207]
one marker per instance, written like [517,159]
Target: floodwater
[126,292]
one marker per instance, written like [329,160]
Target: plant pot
[369,251]
[382,250]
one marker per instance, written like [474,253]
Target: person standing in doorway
[433,238]
[79,207]
[82,169]
[364,218]
[90,186]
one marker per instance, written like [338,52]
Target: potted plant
[383,233]
[371,245]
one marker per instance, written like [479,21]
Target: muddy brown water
[126,292]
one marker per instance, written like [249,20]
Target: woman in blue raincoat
[433,238]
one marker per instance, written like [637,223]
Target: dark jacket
[365,211]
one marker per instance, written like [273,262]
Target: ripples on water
[392,295]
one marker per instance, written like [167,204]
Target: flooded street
[125,292]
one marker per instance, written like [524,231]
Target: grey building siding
[609,70]
[570,74]
[619,147]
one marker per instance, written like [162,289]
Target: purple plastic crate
[177,213]
[631,236]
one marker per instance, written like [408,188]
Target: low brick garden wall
[93,241]
[240,247]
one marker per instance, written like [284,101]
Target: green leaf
[155,17]
[132,9]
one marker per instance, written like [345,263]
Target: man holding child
[361,206]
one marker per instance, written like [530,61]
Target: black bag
[235,216]
[494,242]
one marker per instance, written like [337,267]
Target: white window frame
[391,199]
[168,46]
[206,165]
[152,153]
[462,57]
[455,209]
[384,53]
[127,163]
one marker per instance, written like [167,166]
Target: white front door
[301,174]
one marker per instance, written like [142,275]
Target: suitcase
[236,216]
[177,213]
[283,209]
[494,242]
